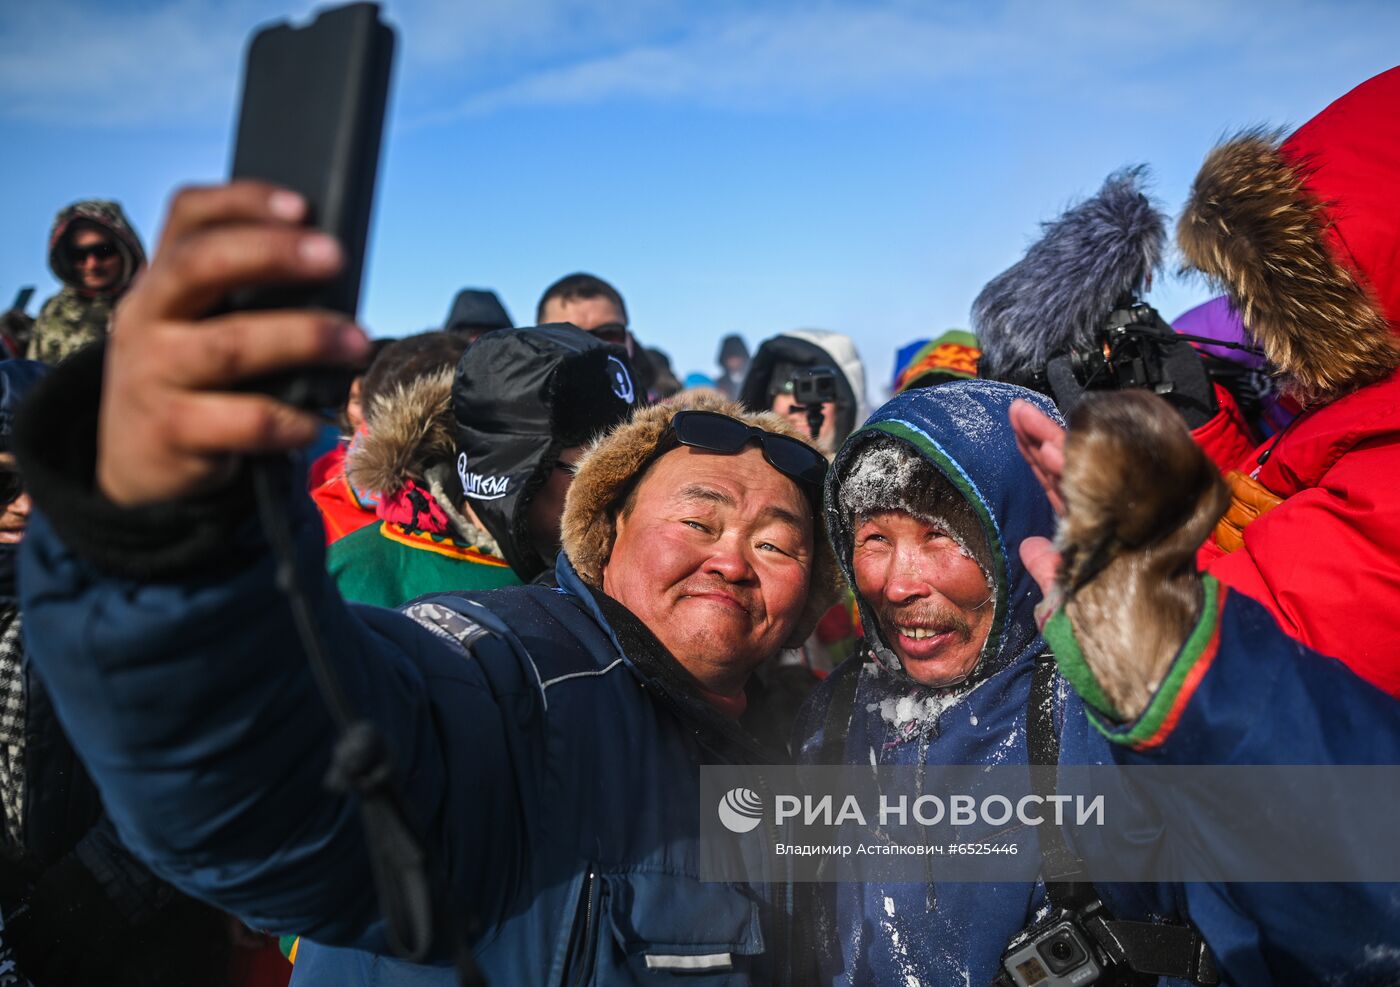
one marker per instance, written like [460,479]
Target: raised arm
[153,616]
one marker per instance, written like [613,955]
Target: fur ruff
[1140,498]
[1252,225]
[1070,280]
[589,525]
[410,429]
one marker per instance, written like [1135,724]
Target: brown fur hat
[1254,224]
[410,429]
[589,525]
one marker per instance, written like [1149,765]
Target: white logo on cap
[478,486]
[621,380]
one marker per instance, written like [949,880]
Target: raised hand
[1136,497]
[172,425]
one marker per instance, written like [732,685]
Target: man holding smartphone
[548,740]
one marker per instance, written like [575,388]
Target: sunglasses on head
[11,485]
[99,250]
[713,432]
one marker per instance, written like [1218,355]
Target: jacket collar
[662,675]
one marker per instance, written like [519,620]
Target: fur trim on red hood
[1304,234]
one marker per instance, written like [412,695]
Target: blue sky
[731,167]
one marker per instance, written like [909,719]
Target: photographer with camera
[813,377]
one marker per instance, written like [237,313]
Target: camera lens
[1062,951]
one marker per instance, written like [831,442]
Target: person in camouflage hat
[95,252]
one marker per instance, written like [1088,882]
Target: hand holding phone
[311,120]
[172,421]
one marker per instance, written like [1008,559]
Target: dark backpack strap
[837,725]
[1144,947]
[1063,872]
[1157,949]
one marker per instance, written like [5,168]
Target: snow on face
[887,475]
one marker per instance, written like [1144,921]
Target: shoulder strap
[837,724]
[1062,870]
[1158,949]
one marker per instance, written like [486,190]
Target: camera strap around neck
[1158,949]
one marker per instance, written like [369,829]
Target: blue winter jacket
[940,933]
[555,775]
[1241,692]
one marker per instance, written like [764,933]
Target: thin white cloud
[1123,56]
[87,63]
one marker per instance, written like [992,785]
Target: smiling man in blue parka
[929,506]
[926,506]
[548,741]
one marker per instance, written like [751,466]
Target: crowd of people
[558,580]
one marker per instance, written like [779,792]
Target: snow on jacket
[76,317]
[1240,692]
[938,934]
[1304,234]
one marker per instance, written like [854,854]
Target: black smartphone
[311,120]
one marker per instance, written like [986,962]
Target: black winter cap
[518,399]
[477,308]
[732,345]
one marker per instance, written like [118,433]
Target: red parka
[1305,235]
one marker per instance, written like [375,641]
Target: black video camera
[811,388]
[1057,952]
[1134,349]
[1075,947]
[1062,951]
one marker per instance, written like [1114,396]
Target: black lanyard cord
[361,764]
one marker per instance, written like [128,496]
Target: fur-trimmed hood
[412,431]
[1087,263]
[490,430]
[1304,235]
[961,428]
[605,472]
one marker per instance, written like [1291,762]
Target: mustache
[926,614]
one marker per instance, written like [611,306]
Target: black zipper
[578,970]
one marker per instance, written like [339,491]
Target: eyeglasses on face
[102,251]
[11,485]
